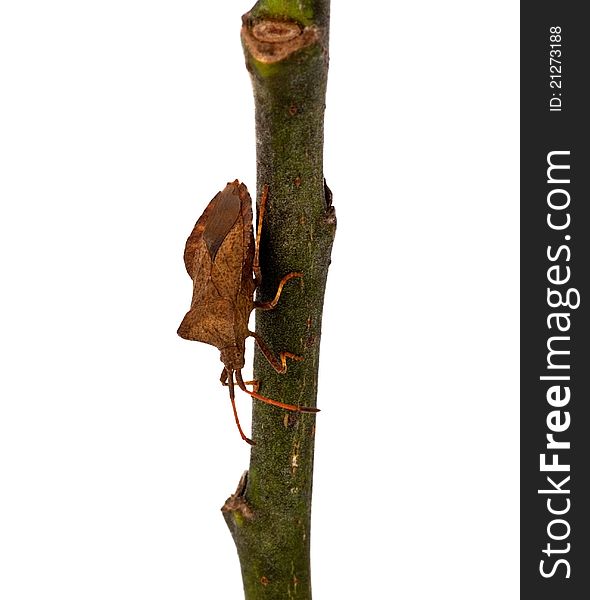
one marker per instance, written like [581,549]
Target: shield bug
[222,258]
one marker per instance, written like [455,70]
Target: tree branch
[286,49]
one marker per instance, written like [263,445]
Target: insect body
[222,259]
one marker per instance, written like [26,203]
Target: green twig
[286,48]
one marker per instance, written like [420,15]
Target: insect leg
[230,379]
[262,398]
[261,210]
[254,383]
[242,384]
[270,305]
[278,364]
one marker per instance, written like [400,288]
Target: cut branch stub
[270,41]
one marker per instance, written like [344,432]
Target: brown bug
[222,258]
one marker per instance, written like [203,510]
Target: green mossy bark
[306,12]
[269,516]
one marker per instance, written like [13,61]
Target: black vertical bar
[555,267]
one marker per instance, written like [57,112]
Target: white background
[119,120]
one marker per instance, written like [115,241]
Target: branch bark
[286,48]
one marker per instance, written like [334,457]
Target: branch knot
[236,503]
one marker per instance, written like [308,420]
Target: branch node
[237,504]
[330,215]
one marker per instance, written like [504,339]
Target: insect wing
[222,219]
[218,257]
[233,247]
[212,227]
